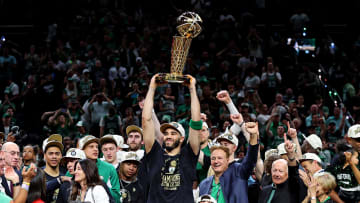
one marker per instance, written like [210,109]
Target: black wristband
[16,184]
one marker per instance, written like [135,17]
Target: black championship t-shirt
[171,176]
[52,188]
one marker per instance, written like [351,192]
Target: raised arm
[147,121]
[239,126]
[289,147]
[351,160]
[195,116]
[259,167]
[250,159]
[158,134]
[293,134]
[27,175]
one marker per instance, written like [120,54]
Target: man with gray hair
[287,186]
[12,157]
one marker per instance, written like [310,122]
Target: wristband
[25,187]
[26,183]
[313,198]
[232,108]
[196,125]
[16,184]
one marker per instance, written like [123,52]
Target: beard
[173,146]
[134,147]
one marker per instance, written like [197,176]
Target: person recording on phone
[61,121]
[98,107]
[6,124]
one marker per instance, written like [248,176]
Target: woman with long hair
[88,186]
[37,190]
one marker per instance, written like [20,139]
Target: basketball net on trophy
[188,27]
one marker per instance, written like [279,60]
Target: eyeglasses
[13,153]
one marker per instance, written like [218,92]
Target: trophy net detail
[179,51]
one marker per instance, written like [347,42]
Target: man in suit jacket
[11,153]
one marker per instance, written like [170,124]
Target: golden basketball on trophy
[188,27]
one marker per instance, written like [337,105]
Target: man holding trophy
[171,168]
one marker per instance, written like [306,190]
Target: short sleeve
[155,151]
[189,154]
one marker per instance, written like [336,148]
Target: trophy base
[171,78]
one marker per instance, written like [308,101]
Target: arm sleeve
[193,157]
[245,168]
[295,182]
[115,185]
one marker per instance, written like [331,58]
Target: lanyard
[271,194]
[218,192]
[324,200]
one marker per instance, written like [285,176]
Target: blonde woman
[320,187]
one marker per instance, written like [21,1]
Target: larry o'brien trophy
[188,28]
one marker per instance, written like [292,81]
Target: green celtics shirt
[4,198]
[216,192]
[346,181]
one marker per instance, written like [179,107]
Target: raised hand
[223,96]
[191,83]
[203,117]
[11,175]
[304,177]
[155,83]
[236,118]
[29,174]
[141,104]
[291,131]
[252,128]
[350,159]
[312,186]
[289,147]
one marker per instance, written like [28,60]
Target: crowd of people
[85,119]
